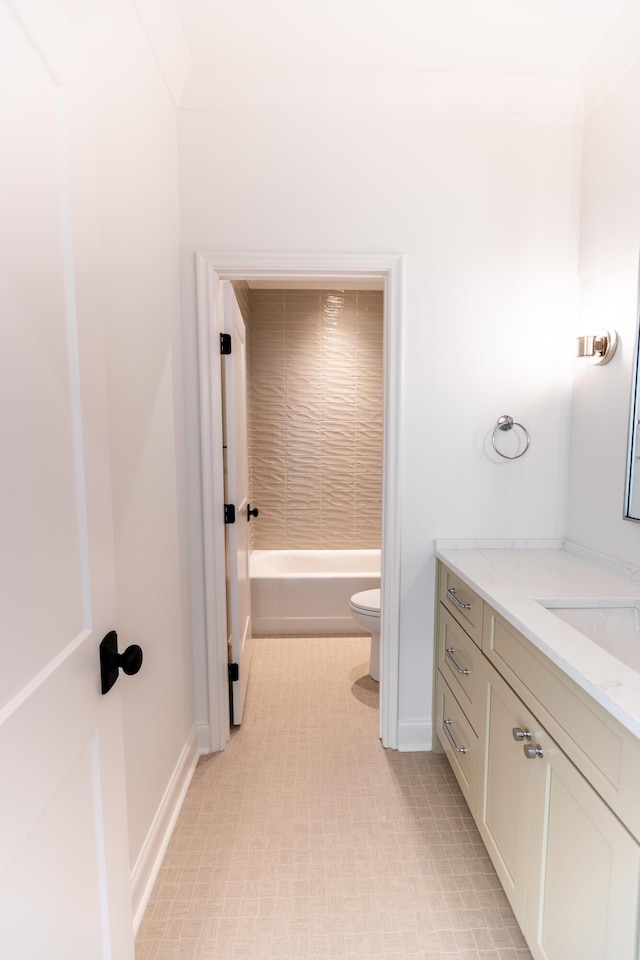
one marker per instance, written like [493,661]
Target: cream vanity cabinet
[568,864]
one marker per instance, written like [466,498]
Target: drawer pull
[445,726]
[449,652]
[451,593]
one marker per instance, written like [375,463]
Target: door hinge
[229,513]
[234,672]
[225,344]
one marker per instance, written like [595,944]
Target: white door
[64,870]
[237,493]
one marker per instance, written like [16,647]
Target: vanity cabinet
[549,778]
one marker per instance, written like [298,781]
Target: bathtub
[306,592]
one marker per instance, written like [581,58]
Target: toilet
[365,610]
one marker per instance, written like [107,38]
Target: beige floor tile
[306,840]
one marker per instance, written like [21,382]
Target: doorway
[212,269]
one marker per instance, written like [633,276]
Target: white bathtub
[306,592]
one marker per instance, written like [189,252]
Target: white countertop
[513,576]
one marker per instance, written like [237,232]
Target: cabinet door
[583,869]
[504,799]
[569,867]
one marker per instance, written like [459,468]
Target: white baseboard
[415,734]
[148,864]
[304,626]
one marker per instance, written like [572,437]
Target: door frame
[213,267]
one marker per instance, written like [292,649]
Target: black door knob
[250,512]
[131,660]
[111,662]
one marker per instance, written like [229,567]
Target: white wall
[138,192]
[483,204]
[609,251]
[123,161]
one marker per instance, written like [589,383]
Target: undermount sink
[613,624]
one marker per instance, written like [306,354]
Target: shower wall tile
[369,446]
[315,408]
[268,438]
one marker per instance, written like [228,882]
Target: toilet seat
[367,601]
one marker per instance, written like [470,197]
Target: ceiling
[501,36]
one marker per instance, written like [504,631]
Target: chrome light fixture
[600,347]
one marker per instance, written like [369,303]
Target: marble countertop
[513,576]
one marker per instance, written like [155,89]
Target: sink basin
[613,624]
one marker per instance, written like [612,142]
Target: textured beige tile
[314,364]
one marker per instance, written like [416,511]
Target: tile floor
[306,840]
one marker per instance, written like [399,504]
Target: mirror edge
[634,408]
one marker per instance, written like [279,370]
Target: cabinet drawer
[459,661]
[462,603]
[458,740]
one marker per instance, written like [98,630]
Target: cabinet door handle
[451,593]
[532,752]
[519,734]
[445,726]
[449,652]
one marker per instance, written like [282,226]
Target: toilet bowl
[365,610]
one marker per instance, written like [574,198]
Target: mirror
[632,490]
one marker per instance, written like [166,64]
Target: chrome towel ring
[506,423]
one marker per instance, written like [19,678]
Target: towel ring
[506,423]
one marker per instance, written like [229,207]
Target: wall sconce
[601,347]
